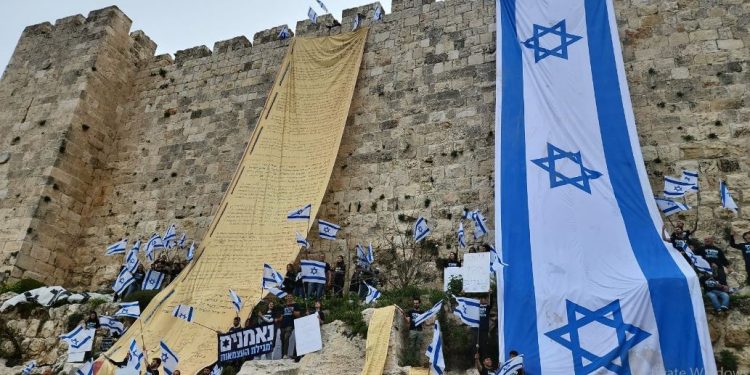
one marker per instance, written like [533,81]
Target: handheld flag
[123,281]
[726,198]
[691,177]
[669,207]
[322,6]
[183,312]
[79,339]
[300,214]
[216,370]
[511,366]
[675,187]
[117,247]
[312,15]
[183,239]
[480,228]
[313,271]
[698,261]
[136,356]
[277,292]
[28,368]
[86,369]
[378,15]
[461,235]
[420,229]
[169,236]
[236,300]
[365,257]
[370,254]
[271,277]
[435,351]
[154,243]
[428,314]
[191,252]
[372,294]
[131,260]
[284,33]
[302,241]
[168,358]
[113,325]
[152,281]
[468,311]
[129,309]
[355,22]
[327,230]
[496,263]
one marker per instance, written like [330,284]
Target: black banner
[246,343]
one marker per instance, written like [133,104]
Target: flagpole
[208,328]
[143,340]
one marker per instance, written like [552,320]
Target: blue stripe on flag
[678,335]
[520,323]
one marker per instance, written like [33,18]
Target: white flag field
[591,286]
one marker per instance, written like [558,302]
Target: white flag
[183,312]
[428,314]
[372,294]
[136,359]
[691,177]
[113,325]
[420,229]
[312,15]
[168,358]
[300,214]
[480,227]
[169,236]
[468,311]
[117,247]
[496,262]
[327,230]
[435,351]
[154,243]
[236,300]
[675,187]
[302,241]
[726,198]
[79,340]
[123,281]
[129,309]
[313,271]
[152,280]
[461,235]
[271,277]
[669,207]
[131,260]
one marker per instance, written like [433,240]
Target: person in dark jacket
[339,274]
[744,247]
[713,255]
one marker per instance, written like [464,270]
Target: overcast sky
[172,24]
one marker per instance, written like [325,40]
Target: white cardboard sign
[307,334]
[476,272]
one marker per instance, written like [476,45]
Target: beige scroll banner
[378,338]
[286,165]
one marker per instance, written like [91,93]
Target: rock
[270,367]
[737,338]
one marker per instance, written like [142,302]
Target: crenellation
[233,44]
[38,29]
[142,45]
[71,21]
[270,35]
[194,53]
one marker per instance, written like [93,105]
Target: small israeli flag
[113,325]
[428,314]
[271,277]
[511,366]
[117,247]
[675,187]
[277,292]
[372,294]
[312,15]
[169,236]
[168,358]
[129,309]
[136,356]
[191,252]
[183,239]
[468,311]
[302,241]
[123,281]
[496,263]
[154,243]
[322,6]
[355,22]
[480,228]
[700,264]
[183,312]
[726,198]
[378,15]
[435,351]
[236,300]
[420,229]
[669,207]
[691,177]
[300,214]
[152,281]
[27,369]
[461,235]
[327,230]
[216,370]
[284,33]
[313,271]
[78,338]
[370,254]
[86,369]
[131,261]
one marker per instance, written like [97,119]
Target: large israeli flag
[591,287]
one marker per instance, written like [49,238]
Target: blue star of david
[164,357]
[627,335]
[560,51]
[314,271]
[74,341]
[558,179]
[183,316]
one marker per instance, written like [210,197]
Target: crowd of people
[169,266]
[335,280]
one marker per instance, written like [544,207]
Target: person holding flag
[168,358]
[513,366]
[744,247]
[339,276]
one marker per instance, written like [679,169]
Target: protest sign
[307,334]
[477,272]
[246,343]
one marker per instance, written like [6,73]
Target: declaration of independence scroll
[287,164]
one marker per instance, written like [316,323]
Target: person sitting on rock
[716,292]
[713,255]
[744,247]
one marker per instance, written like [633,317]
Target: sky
[172,24]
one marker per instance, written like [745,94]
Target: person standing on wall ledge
[415,331]
[744,247]
[339,273]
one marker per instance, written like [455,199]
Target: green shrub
[727,361]
[229,370]
[349,312]
[143,297]
[73,320]
[96,302]
[20,286]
